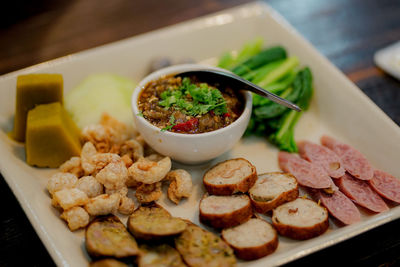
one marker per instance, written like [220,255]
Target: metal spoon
[234,81]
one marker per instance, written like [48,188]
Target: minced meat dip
[186,105]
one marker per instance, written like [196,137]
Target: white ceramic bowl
[189,148]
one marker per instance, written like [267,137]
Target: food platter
[339,109]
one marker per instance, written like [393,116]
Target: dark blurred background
[348,32]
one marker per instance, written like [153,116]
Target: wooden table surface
[348,32]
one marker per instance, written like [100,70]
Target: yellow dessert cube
[51,136]
[32,90]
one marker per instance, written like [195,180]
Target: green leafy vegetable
[264,57]
[272,70]
[170,125]
[284,137]
[228,60]
[193,99]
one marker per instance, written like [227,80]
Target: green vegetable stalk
[284,137]
[275,72]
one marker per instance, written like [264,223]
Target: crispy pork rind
[107,263]
[251,240]
[159,256]
[87,154]
[104,136]
[103,204]
[154,222]
[113,176]
[225,211]
[273,189]
[73,165]
[147,193]
[199,247]
[106,236]
[123,191]
[154,157]
[69,198]
[120,131]
[99,136]
[90,186]
[133,149]
[300,219]
[180,186]
[76,218]
[150,172]
[230,176]
[127,160]
[61,180]
[126,205]
[101,160]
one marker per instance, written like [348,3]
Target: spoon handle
[229,77]
[262,92]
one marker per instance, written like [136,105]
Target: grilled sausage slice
[251,240]
[159,256]
[300,219]
[107,236]
[273,189]
[154,222]
[230,176]
[199,248]
[225,211]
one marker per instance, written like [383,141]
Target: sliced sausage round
[300,219]
[339,206]
[273,189]
[106,236]
[225,211]
[361,193]
[353,161]
[229,177]
[252,240]
[323,157]
[306,173]
[386,185]
[199,247]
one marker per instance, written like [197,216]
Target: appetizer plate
[338,109]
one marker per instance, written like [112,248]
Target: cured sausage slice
[339,206]
[353,161]
[361,193]
[322,156]
[386,185]
[306,173]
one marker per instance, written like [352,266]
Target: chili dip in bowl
[186,119]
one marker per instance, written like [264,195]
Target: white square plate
[388,59]
[338,108]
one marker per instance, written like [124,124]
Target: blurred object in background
[388,59]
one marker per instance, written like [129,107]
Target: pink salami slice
[353,161]
[361,193]
[339,206]
[306,173]
[386,185]
[322,156]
